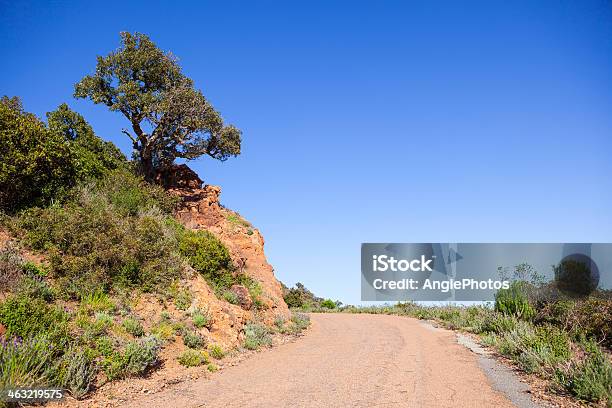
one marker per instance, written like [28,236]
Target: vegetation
[193,358]
[147,86]
[256,335]
[216,351]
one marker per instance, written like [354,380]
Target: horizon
[507,107]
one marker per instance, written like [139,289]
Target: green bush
[256,335]
[208,256]
[591,378]
[212,367]
[11,265]
[25,317]
[183,299]
[26,363]
[300,321]
[328,304]
[95,244]
[201,319]
[137,358]
[193,340]
[192,358]
[231,297]
[514,301]
[216,351]
[75,372]
[133,326]
[40,163]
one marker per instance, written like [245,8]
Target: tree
[39,163]
[169,118]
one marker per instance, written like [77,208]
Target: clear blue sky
[424,121]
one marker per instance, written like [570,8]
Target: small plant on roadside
[192,358]
[256,335]
[212,367]
[216,351]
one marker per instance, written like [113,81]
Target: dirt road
[348,360]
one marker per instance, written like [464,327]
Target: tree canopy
[39,163]
[168,117]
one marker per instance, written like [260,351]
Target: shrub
[591,378]
[193,340]
[192,358]
[201,318]
[11,267]
[212,367]
[231,297]
[300,321]
[514,301]
[25,317]
[208,256]
[94,244]
[25,363]
[141,356]
[216,351]
[256,335]
[133,326]
[97,301]
[183,299]
[76,372]
[163,330]
[328,304]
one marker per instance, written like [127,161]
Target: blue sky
[420,121]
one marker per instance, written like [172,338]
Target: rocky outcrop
[200,209]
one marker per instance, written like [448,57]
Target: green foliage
[26,363]
[235,219]
[328,304]
[40,163]
[208,256]
[300,321]
[26,317]
[216,351]
[212,367]
[193,340]
[133,326]
[192,358]
[137,358]
[591,378]
[514,301]
[183,299]
[11,267]
[231,297]
[97,301]
[147,86]
[95,244]
[256,335]
[300,297]
[201,318]
[163,330]
[75,371]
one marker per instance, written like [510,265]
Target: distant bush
[256,335]
[300,321]
[328,304]
[300,297]
[201,318]
[514,301]
[192,358]
[137,358]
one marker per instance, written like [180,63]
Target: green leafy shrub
[25,317]
[137,358]
[183,299]
[256,335]
[192,358]
[193,340]
[163,330]
[212,367]
[328,304]
[40,163]
[300,321]
[95,244]
[216,351]
[208,256]
[133,326]
[231,297]
[201,318]
[11,267]
[514,301]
